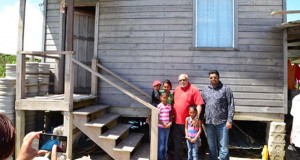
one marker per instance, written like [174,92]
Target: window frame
[235,30]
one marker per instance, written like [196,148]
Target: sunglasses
[182,80]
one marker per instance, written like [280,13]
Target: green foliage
[4,59]
[10,59]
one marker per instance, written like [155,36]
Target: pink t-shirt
[164,113]
[183,98]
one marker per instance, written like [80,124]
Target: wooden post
[154,135]
[20,84]
[69,78]
[94,82]
[68,118]
[96,32]
[59,64]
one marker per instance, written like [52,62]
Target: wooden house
[121,46]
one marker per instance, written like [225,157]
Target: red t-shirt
[183,98]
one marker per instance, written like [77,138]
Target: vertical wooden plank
[94,81]
[44,28]
[285,71]
[69,87]
[20,84]
[69,26]
[285,59]
[154,135]
[97,12]
[68,131]
[69,78]
[20,94]
[235,24]
[59,72]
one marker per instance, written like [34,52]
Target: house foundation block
[276,140]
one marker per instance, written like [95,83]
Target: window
[214,23]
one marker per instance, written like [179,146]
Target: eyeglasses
[182,80]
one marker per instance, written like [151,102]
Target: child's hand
[148,120]
[194,140]
[164,125]
[169,125]
[188,138]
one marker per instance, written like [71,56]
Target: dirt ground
[235,155]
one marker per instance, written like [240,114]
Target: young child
[164,124]
[155,93]
[192,133]
[155,98]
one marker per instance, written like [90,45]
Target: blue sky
[33,37]
[293,5]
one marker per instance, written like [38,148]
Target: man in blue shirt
[219,112]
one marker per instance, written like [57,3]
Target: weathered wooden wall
[147,40]
[144,40]
[83,39]
[53,23]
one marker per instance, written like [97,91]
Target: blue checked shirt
[219,104]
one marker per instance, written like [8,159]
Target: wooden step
[116,132]
[90,109]
[142,153]
[130,143]
[102,121]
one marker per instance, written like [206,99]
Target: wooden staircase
[114,138]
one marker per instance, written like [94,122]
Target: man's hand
[228,125]
[27,152]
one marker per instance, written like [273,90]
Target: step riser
[97,114]
[84,103]
[80,118]
[104,129]
[106,144]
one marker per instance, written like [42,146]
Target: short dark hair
[194,108]
[168,82]
[164,94]
[7,137]
[214,72]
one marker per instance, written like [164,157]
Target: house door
[84,24]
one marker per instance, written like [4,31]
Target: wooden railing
[68,94]
[154,110]
[124,81]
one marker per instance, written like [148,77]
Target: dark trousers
[179,138]
[292,153]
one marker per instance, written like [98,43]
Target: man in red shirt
[185,95]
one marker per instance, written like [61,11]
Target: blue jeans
[193,149]
[163,136]
[217,135]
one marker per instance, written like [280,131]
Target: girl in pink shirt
[164,124]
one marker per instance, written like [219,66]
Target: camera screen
[48,140]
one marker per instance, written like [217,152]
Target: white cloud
[9,28]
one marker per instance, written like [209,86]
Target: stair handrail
[124,80]
[154,110]
[115,85]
